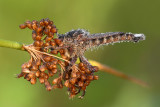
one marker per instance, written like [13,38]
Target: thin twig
[118,73]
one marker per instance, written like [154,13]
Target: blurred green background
[140,60]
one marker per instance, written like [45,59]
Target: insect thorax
[75,39]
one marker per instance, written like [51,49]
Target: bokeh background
[141,60]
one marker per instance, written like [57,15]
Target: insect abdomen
[113,37]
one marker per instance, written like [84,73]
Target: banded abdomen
[112,37]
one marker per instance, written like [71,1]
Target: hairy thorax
[75,41]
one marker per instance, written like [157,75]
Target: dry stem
[118,74]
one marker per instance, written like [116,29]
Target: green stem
[11,44]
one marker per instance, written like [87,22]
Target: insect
[80,40]
[45,62]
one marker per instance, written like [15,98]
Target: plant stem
[117,73]
[11,44]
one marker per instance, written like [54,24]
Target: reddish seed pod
[57,41]
[46,21]
[47,58]
[54,71]
[96,68]
[53,30]
[42,68]
[31,75]
[88,71]
[53,60]
[29,25]
[90,77]
[73,75]
[24,65]
[38,62]
[66,83]
[42,74]
[46,44]
[48,39]
[87,83]
[25,75]
[46,76]
[54,66]
[67,76]
[73,81]
[53,26]
[46,82]
[95,77]
[41,22]
[50,34]
[27,78]
[78,74]
[50,73]
[83,78]
[25,70]
[51,22]
[83,68]
[39,29]
[37,74]
[38,38]
[41,43]
[46,31]
[34,22]
[41,80]
[34,35]
[61,51]
[20,75]
[34,67]
[55,81]
[29,63]
[80,84]
[49,27]
[81,64]
[49,66]
[52,43]
[33,80]
[36,43]
[63,56]
[55,52]
[48,87]
[34,26]
[83,72]
[23,26]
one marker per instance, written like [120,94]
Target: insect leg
[85,61]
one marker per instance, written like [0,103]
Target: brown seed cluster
[45,62]
[79,79]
